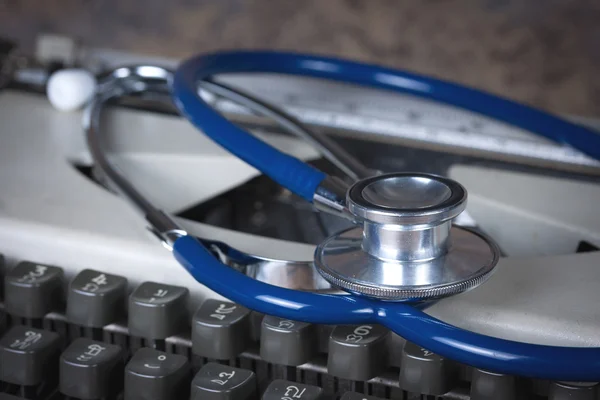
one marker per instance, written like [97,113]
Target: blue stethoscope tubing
[301,178]
[485,352]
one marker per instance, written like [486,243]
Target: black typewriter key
[487,385]
[157,311]
[6,396]
[91,369]
[3,322]
[28,356]
[280,389]
[465,372]
[221,382]
[539,387]
[424,372]
[255,325]
[573,391]
[396,347]
[220,330]
[358,396]
[358,352]
[2,272]
[96,299]
[324,332]
[288,342]
[155,375]
[33,290]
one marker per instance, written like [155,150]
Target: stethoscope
[402,253]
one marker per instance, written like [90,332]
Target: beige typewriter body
[542,292]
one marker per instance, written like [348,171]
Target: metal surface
[402,192]
[330,197]
[404,250]
[396,243]
[342,261]
[406,217]
[407,199]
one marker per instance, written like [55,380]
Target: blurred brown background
[542,52]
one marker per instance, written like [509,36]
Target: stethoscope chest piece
[407,248]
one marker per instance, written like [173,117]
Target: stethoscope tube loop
[408,321]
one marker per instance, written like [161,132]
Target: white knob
[70,89]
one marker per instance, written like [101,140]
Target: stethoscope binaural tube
[494,354]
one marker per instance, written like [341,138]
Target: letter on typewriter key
[96,299]
[425,372]
[28,356]
[91,370]
[358,352]
[33,290]
[155,375]
[220,330]
[287,342]
[492,386]
[220,382]
[573,391]
[280,389]
[157,311]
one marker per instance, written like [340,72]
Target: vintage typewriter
[91,306]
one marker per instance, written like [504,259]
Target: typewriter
[92,307]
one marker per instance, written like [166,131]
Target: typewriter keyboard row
[95,338]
